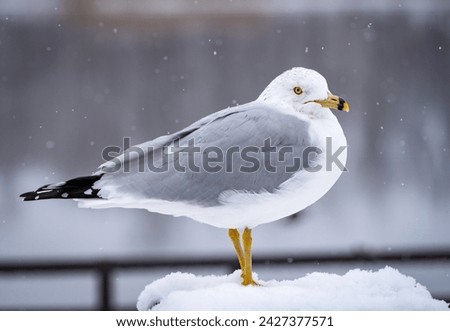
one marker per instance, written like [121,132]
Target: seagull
[235,169]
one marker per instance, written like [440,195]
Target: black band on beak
[340,105]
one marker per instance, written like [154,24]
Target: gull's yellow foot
[249,281]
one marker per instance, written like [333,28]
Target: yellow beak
[334,102]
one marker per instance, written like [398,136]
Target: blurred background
[79,75]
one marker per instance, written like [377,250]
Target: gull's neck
[304,111]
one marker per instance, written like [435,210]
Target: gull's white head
[304,90]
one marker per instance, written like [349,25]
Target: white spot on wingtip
[65,195]
[43,191]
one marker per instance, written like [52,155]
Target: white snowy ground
[386,289]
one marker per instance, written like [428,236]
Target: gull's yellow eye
[298,90]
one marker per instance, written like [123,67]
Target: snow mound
[386,289]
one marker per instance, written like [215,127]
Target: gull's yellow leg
[247,240]
[235,238]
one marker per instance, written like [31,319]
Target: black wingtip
[28,196]
[77,188]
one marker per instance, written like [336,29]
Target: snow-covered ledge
[386,289]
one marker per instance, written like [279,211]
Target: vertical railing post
[104,287]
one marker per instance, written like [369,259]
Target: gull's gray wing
[247,137]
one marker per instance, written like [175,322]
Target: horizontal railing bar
[139,263]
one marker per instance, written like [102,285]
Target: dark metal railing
[105,268]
